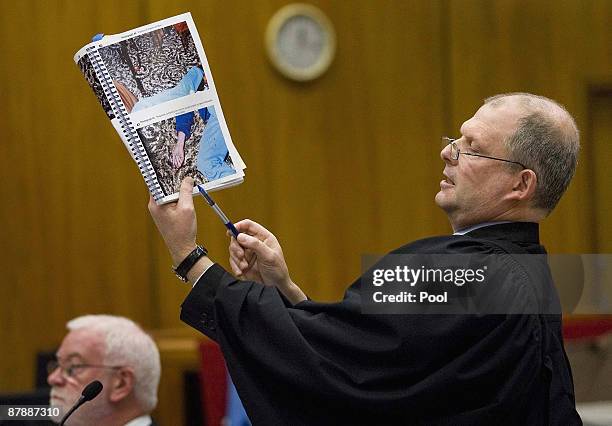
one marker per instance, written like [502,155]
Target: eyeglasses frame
[454,146]
[68,372]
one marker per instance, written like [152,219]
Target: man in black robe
[298,362]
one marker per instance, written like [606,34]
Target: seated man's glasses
[456,152]
[71,370]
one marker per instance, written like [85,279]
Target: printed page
[161,77]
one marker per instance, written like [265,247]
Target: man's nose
[55,378]
[445,154]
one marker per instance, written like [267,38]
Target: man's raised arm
[256,255]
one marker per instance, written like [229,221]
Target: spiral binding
[134,142]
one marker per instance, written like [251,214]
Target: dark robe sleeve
[316,363]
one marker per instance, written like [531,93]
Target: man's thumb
[186,191]
[250,242]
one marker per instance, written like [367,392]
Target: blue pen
[228,224]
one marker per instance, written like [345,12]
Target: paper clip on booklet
[156,87]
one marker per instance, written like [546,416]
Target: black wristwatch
[185,266]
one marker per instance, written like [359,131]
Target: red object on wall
[584,328]
[213,382]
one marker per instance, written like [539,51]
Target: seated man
[118,353]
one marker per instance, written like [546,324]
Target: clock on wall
[300,41]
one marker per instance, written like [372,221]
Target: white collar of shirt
[480,225]
[140,421]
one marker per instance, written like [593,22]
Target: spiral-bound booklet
[156,87]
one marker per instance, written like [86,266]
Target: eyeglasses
[72,369]
[455,152]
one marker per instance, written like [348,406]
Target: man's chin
[442,200]
[62,411]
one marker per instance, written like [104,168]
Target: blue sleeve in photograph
[204,114]
[183,123]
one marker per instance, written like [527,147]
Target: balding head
[546,140]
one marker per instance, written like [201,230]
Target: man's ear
[122,384]
[524,185]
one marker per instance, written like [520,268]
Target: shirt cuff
[202,274]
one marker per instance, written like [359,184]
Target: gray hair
[546,141]
[127,345]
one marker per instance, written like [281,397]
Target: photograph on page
[155,67]
[190,144]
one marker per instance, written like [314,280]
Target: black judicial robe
[327,363]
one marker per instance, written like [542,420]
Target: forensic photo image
[88,71]
[155,67]
[191,144]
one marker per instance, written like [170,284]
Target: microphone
[90,392]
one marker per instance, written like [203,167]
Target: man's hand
[243,261]
[177,222]
[256,255]
[178,152]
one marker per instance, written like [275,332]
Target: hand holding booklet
[156,87]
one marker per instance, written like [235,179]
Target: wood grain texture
[74,237]
[600,154]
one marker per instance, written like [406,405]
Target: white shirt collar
[480,225]
[140,421]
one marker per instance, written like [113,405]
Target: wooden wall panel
[600,155]
[73,239]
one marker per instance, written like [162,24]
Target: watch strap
[185,266]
